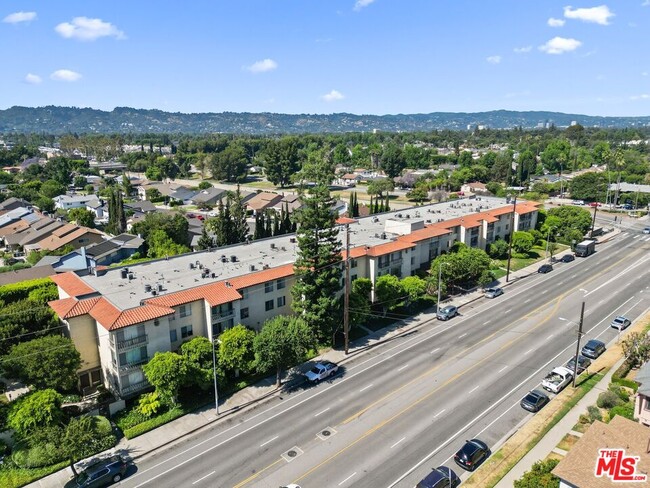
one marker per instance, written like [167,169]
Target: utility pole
[214,370]
[439,286]
[346,301]
[593,222]
[575,367]
[512,230]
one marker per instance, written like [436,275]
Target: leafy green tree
[149,404]
[540,476]
[413,287]
[392,161]
[167,372]
[589,186]
[80,181]
[25,318]
[556,153]
[162,246]
[498,249]
[526,163]
[153,173]
[319,168]
[86,435]
[44,204]
[317,270]
[464,266]
[204,185]
[418,194]
[175,226]
[47,362]
[153,194]
[205,241]
[282,342]
[636,349]
[198,354]
[236,351]
[380,187]
[51,189]
[83,217]
[127,187]
[522,242]
[35,411]
[230,164]
[568,222]
[360,301]
[388,291]
[281,160]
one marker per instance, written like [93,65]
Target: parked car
[447,312]
[534,401]
[545,268]
[200,217]
[190,215]
[583,363]
[292,485]
[557,379]
[595,204]
[103,472]
[593,348]
[321,371]
[440,477]
[493,292]
[567,258]
[646,230]
[621,323]
[213,214]
[472,454]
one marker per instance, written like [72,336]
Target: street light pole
[575,366]
[439,286]
[512,230]
[214,370]
[346,302]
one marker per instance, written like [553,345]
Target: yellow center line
[252,477]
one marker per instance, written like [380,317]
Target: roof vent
[292,240]
[154,293]
[214,275]
[233,259]
[272,245]
[147,288]
[160,287]
[191,265]
[224,259]
[383,235]
[227,283]
[428,221]
[252,267]
[123,273]
[131,276]
[399,215]
[266,266]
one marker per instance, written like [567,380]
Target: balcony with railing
[219,314]
[131,365]
[128,343]
[127,390]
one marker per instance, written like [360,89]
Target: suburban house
[474,188]
[348,179]
[579,467]
[120,317]
[68,235]
[290,202]
[143,207]
[12,203]
[98,208]
[170,191]
[642,400]
[209,196]
[262,201]
[66,202]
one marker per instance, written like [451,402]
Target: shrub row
[157,421]
[13,292]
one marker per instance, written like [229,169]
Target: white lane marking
[503,369]
[545,291]
[436,349]
[494,405]
[561,283]
[621,273]
[527,300]
[549,337]
[507,310]
[439,413]
[573,276]
[269,441]
[366,387]
[398,442]
[206,476]
[462,335]
[487,322]
[403,367]
[322,411]
[346,479]
[528,352]
[473,390]
[636,237]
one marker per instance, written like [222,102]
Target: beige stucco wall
[83,333]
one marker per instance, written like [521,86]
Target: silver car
[493,292]
[447,312]
[621,322]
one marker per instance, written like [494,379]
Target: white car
[621,323]
[557,379]
[646,230]
[321,371]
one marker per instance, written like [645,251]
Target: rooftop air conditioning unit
[153,292]
[224,259]
[147,288]
[233,259]
[272,245]
[191,265]
[123,273]
[266,266]
[292,240]
[251,267]
[383,235]
[160,287]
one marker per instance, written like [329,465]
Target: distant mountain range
[61,120]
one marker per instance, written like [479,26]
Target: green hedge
[619,376]
[20,291]
[155,422]
[625,382]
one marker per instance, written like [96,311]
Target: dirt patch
[567,442]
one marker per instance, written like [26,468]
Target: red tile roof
[214,293]
[345,220]
[72,284]
[426,233]
[71,307]
[388,248]
[260,277]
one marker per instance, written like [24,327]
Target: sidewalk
[178,429]
[544,447]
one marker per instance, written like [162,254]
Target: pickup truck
[557,379]
[321,371]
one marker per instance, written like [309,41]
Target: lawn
[567,442]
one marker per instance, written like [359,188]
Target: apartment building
[119,317]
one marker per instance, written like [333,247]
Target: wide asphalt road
[402,408]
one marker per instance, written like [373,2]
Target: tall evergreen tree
[351,205]
[239,231]
[268,225]
[276,225]
[205,241]
[317,267]
[371,208]
[387,206]
[356,204]
[288,225]
[282,221]
[259,226]
[221,225]
[116,216]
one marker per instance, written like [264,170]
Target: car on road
[213,214]
[102,472]
[557,379]
[440,477]
[472,454]
[646,230]
[583,363]
[567,258]
[595,204]
[446,313]
[534,401]
[545,268]
[593,348]
[621,323]
[321,370]
[292,485]
[493,292]
[200,217]
[190,215]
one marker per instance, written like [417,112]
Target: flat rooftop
[175,273]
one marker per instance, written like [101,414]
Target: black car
[534,401]
[440,477]
[472,454]
[593,348]
[567,258]
[583,363]
[102,472]
[545,268]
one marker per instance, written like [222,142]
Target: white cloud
[643,96]
[65,75]
[493,59]
[18,17]
[646,3]
[645,73]
[333,96]
[262,66]
[85,29]
[597,15]
[559,45]
[556,22]
[33,79]
[359,4]
[521,50]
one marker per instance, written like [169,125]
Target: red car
[200,217]
[595,204]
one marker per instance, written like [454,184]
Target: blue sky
[326,56]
